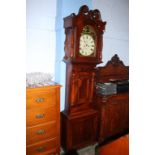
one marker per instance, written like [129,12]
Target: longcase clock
[83,51]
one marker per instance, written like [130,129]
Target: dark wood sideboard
[113,110]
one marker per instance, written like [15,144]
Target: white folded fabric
[38,79]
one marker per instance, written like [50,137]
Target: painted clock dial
[87,41]
[87,45]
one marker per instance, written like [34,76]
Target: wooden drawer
[41,132]
[40,115]
[44,148]
[40,98]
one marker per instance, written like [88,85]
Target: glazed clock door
[82,90]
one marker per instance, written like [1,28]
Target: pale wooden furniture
[43,120]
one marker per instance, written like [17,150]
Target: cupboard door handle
[40,116]
[40,132]
[41,149]
[40,100]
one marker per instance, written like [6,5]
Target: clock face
[87,45]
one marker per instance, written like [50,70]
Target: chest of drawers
[43,120]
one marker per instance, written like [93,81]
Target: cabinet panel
[78,131]
[82,88]
[114,115]
[82,131]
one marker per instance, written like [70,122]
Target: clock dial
[87,45]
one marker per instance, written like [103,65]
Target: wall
[116,37]
[40,24]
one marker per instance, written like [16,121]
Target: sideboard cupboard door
[114,115]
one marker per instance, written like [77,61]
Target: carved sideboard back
[114,70]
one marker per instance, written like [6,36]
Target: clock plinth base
[78,130]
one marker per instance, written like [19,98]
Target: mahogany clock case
[79,118]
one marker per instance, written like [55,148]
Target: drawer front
[44,98]
[41,132]
[43,148]
[40,115]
